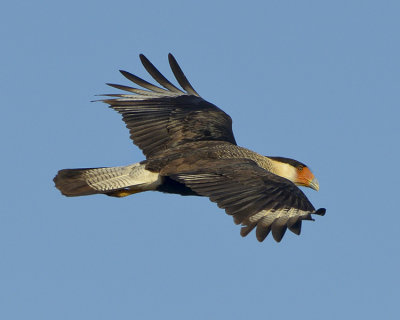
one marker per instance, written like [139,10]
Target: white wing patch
[277,221]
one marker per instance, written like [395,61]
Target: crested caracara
[190,150]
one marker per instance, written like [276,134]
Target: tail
[115,181]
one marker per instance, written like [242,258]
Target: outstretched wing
[252,195]
[162,118]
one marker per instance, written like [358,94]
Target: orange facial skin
[306,178]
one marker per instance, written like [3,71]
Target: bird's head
[294,171]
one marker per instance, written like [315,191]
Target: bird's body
[190,149]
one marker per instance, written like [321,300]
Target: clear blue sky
[314,80]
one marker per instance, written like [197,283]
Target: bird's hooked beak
[314,184]
[306,178]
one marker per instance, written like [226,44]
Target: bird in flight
[190,149]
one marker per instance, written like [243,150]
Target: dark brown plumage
[190,149]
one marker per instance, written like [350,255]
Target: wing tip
[278,230]
[296,227]
[320,212]
[123,72]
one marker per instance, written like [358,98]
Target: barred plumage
[190,149]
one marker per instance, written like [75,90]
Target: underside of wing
[160,118]
[254,197]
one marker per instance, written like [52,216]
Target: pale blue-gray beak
[314,184]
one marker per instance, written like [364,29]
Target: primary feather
[190,149]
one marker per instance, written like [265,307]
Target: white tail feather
[79,182]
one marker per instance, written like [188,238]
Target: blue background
[314,80]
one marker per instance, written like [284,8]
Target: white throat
[284,170]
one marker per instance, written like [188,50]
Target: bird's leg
[122,192]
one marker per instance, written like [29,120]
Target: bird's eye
[300,168]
